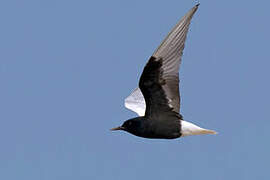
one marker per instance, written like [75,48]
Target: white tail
[188,129]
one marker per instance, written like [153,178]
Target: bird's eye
[129,123]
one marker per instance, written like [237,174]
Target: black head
[131,125]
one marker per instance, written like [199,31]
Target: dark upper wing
[159,82]
[151,83]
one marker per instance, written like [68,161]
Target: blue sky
[66,67]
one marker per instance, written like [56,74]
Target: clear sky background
[66,67]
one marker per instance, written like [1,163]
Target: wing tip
[196,7]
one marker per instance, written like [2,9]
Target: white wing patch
[135,102]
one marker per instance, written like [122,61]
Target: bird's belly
[162,131]
[160,135]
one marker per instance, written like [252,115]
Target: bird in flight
[157,100]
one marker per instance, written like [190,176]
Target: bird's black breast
[158,127]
